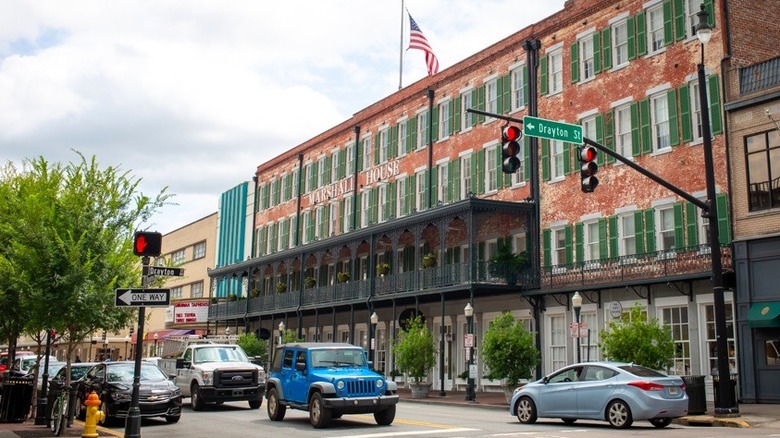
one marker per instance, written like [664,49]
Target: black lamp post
[371,337]
[469,312]
[281,333]
[127,341]
[41,410]
[725,404]
[576,303]
[156,337]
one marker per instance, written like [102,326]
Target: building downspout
[723,90]
[355,179]
[430,148]
[298,224]
[254,218]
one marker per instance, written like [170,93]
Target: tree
[253,346]
[508,350]
[636,338]
[415,353]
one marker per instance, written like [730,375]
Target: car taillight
[647,386]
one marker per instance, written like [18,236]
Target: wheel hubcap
[617,414]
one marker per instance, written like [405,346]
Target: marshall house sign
[371,176]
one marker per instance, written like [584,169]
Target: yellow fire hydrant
[93,416]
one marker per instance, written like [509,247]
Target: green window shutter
[603,238]
[393,198]
[614,248]
[569,248]
[285,233]
[474,174]
[373,212]
[644,117]
[543,76]
[674,119]
[631,37]
[546,242]
[457,107]
[480,104]
[685,113]
[288,186]
[359,148]
[679,226]
[376,149]
[641,34]
[692,224]
[596,52]
[668,23]
[601,158]
[721,202]
[261,233]
[567,168]
[456,178]
[393,152]
[507,94]
[679,20]
[579,237]
[315,174]
[358,211]
[545,159]
[310,225]
[434,185]
[326,174]
[480,171]
[710,11]
[412,144]
[527,158]
[575,61]
[435,128]
[340,223]
[636,146]
[411,195]
[650,229]
[639,232]
[609,133]
[606,48]
[526,95]
[716,122]
[506,180]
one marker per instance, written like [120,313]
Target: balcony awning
[764,315]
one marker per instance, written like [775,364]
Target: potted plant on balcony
[505,263]
[281,287]
[343,277]
[509,352]
[309,282]
[254,293]
[382,268]
[415,355]
[429,260]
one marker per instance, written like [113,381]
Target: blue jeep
[328,380]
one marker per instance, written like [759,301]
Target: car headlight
[208,377]
[340,385]
[380,383]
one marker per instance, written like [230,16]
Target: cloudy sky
[195,94]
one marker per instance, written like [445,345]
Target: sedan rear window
[641,371]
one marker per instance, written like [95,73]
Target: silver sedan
[617,392]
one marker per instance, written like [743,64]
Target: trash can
[697,398]
[732,387]
[17,399]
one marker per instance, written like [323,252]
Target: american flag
[418,41]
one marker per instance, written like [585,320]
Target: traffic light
[147,243]
[588,168]
[510,139]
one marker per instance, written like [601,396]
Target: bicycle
[59,411]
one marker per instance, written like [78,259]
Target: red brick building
[343,222]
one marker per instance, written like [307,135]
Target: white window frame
[401,206]
[384,144]
[655,29]
[381,202]
[321,175]
[664,232]
[403,127]
[444,116]
[491,169]
[465,116]
[365,202]
[365,143]
[518,82]
[421,183]
[350,159]
[558,236]
[443,183]
[696,122]
[465,175]
[591,243]
[196,289]
[555,71]
[319,222]
[557,167]
[660,123]
[347,213]
[587,66]
[623,141]
[620,44]
[333,223]
[199,250]
[627,237]
[422,129]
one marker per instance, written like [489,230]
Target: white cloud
[195,94]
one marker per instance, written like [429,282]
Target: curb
[708,420]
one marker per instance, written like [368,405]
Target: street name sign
[142,297]
[551,130]
[162,271]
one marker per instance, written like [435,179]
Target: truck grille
[361,387]
[235,378]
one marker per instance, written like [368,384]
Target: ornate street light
[281,332]
[469,312]
[156,337]
[371,336]
[576,303]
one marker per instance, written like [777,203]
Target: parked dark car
[113,382]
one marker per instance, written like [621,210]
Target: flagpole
[401,50]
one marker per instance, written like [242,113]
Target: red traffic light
[147,243]
[588,168]
[511,133]
[510,148]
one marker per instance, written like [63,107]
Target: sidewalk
[751,415]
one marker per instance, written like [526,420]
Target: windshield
[337,358]
[641,371]
[220,354]
[123,373]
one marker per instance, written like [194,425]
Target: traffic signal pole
[133,421]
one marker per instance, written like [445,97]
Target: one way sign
[142,297]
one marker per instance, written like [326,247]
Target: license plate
[673,390]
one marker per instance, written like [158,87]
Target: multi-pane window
[422,193]
[382,193]
[282,228]
[401,197]
[519,176]
[347,213]
[295,183]
[311,178]
[665,228]
[623,130]
[269,239]
[627,233]
[444,183]
[589,347]
[334,166]
[367,149]
[196,290]
[274,191]
[465,116]
[291,236]
[555,75]
[177,292]
[559,247]
[334,218]
[592,241]
[692,7]
[491,169]
[199,250]
[491,98]
[763,170]
[319,228]
[444,120]
[403,129]
[589,127]
[655,28]
[178,257]
[675,319]
[422,130]
[660,120]
[556,159]
[695,110]
[620,44]
[307,231]
[323,176]
[384,144]
[518,84]
[465,172]
[350,159]
[712,347]
[586,58]
[365,202]
[557,342]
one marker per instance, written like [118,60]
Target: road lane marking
[409,433]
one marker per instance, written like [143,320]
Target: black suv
[328,380]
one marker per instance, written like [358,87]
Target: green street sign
[543,128]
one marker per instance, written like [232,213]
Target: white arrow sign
[143,297]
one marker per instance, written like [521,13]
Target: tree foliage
[253,346]
[415,352]
[508,350]
[636,338]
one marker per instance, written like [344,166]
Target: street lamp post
[725,404]
[106,352]
[227,331]
[281,332]
[576,303]
[156,337]
[469,312]
[371,336]
[127,341]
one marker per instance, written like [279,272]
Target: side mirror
[545,380]
[181,363]
[300,367]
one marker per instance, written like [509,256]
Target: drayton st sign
[543,128]
[142,297]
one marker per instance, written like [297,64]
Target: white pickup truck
[216,373]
